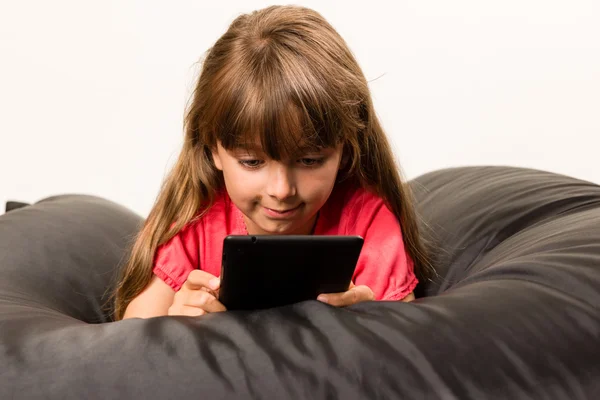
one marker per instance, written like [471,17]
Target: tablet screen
[265,271]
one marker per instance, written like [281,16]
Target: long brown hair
[284,75]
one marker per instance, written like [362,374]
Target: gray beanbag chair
[513,314]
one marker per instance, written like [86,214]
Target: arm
[384,270]
[384,264]
[197,296]
[177,287]
[154,301]
[173,261]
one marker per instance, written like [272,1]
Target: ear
[217,158]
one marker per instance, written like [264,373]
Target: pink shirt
[383,265]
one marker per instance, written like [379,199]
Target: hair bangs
[279,112]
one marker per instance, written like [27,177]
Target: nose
[281,184]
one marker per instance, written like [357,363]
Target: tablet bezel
[266,271]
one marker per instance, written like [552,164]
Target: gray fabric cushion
[513,314]
[14,205]
[59,255]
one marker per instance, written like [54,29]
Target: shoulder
[192,246]
[383,265]
[207,215]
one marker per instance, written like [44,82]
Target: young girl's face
[278,197]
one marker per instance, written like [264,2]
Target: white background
[92,94]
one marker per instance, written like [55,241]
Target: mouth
[281,212]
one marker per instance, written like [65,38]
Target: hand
[198,295]
[354,295]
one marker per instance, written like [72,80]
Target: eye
[311,162]
[251,164]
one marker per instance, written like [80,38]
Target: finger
[338,299]
[355,295]
[194,297]
[214,306]
[336,296]
[204,300]
[198,279]
[215,293]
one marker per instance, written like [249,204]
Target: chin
[279,231]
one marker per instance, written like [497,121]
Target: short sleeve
[175,259]
[384,265]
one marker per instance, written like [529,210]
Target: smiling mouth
[282,212]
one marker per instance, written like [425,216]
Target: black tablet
[265,271]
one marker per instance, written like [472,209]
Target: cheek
[241,184]
[317,184]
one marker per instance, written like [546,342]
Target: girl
[280,138]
